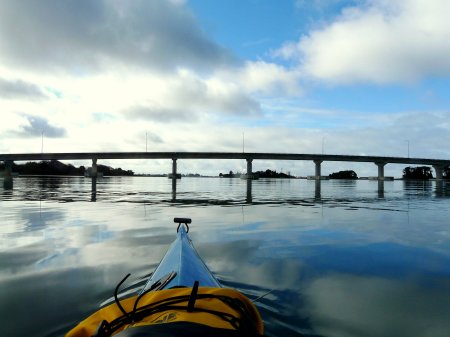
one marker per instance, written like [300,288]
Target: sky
[358,77]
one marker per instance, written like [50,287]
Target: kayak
[182,265]
[181,298]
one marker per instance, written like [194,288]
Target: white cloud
[267,78]
[187,96]
[397,41]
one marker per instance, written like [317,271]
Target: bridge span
[379,161]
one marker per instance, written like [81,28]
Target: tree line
[419,173]
[55,167]
[261,174]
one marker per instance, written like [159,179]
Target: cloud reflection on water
[37,302]
[347,305]
[365,290]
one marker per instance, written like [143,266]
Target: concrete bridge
[379,161]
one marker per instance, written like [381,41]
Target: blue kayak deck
[181,266]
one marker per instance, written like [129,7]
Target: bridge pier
[94,169]
[7,175]
[249,174]
[8,168]
[317,172]
[94,173]
[438,169]
[174,174]
[380,170]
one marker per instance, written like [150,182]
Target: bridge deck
[219,155]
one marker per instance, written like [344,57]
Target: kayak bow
[182,298]
[181,266]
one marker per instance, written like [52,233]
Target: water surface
[343,258]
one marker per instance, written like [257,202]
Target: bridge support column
[438,169]
[94,173]
[318,172]
[94,168]
[249,168]
[7,178]
[8,168]
[173,175]
[380,170]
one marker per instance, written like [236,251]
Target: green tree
[349,174]
[446,172]
[420,173]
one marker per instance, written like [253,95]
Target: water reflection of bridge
[250,192]
[249,157]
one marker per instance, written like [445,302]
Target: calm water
[344,258]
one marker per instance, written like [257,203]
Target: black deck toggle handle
[184,221]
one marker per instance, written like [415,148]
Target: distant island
[418,173]
[55,167]
[161,175]
[349,174]
[260,174]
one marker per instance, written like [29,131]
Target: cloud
[266,78]
[10,89]
[188,97]
[94,54]
[36,125]
[160,114]
[211,95]
[399,41]
[84,36]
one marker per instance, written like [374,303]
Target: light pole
[323,138]
[146,142]
[42,141]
